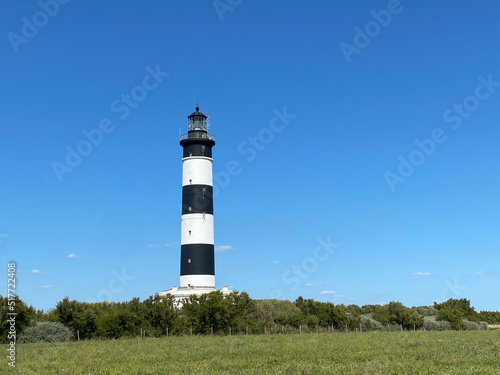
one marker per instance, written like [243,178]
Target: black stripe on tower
[197,149]
[197,259]
[197,199]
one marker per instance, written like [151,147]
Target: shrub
[394,315]
[470,326]
[431,324]
[427,311]
[47,332]
[370,324]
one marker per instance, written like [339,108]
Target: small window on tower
[190,182]
[189,208]
[189,232]
[189,260]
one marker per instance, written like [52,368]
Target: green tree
[455,311]
[24,316]
[397,313]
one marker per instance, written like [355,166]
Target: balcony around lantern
[197,135]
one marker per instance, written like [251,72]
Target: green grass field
[448,352]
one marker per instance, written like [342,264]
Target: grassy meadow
[420,352]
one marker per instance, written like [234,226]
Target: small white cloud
[330,292]
[416,275]
[36,272]
[484,272]
[46,286]
[313,284]
[275,261]
[73,256]
[223,248]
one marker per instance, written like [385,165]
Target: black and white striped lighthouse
[197,228]
[197,223]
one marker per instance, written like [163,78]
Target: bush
[370,324]
[470,326]
[427,311]
[431,324]
[47,332]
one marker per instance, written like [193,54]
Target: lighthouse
[197,260]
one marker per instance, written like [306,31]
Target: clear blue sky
[366,87]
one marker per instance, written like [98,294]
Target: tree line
[237,313]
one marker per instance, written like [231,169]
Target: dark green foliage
[217,313]
[326,314]
[24,318]
[396,313]
[46,332]
[368,309]
[491,317]
[370,324]
[237,313]
[271,312]
[460,315]
[455,311]
[426,311]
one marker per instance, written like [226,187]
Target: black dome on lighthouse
[197,113]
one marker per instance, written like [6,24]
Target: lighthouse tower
[197,225]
